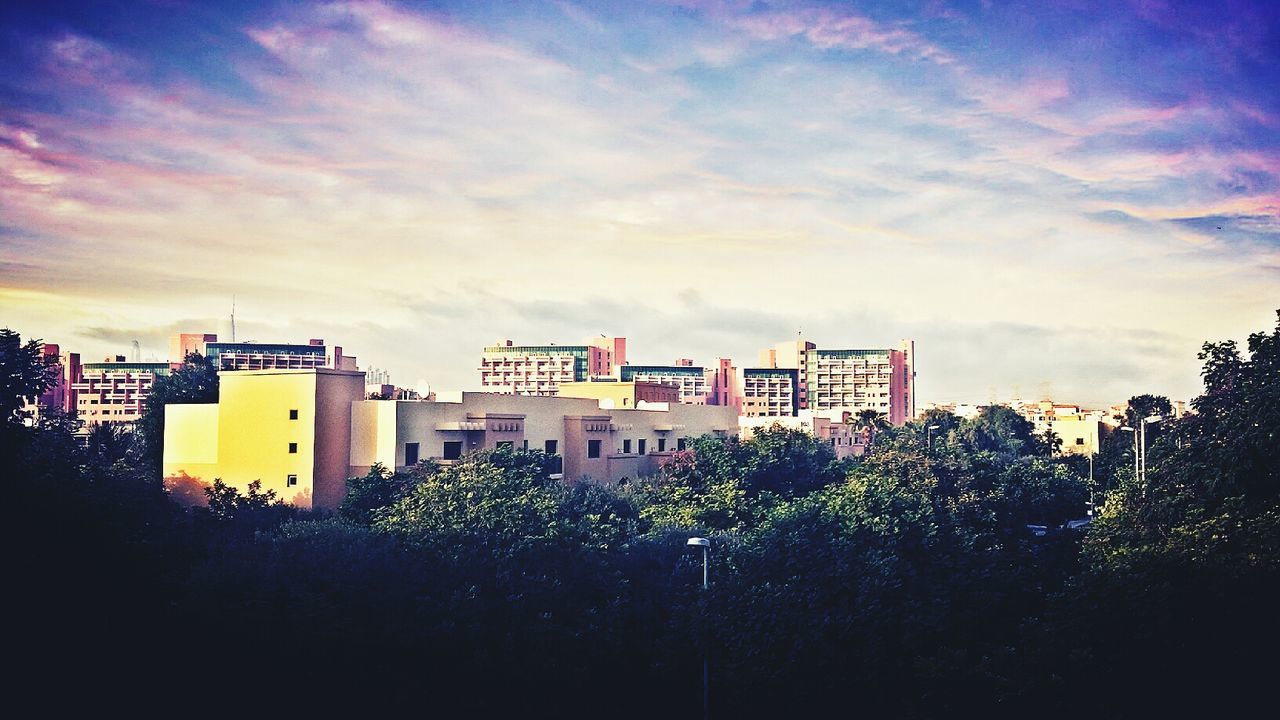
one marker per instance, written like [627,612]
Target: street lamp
[1149,419]
[705,544]
[1126,428]
[928,433]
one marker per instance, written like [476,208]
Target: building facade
[770,392]
[115,391]
[538,370]
[880,379]
[618,394]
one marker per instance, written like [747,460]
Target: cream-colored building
[303,432]
[612,393]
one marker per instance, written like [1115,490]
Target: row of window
[452,449]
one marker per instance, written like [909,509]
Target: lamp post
[928,433]
[1152,419]
[705,544]
[1126,428]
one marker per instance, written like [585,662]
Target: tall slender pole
[704,567]
[1143,455]
[706,676]
[1136,474]
[1091,484]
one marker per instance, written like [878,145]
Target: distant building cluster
[301,418]
[115,391]
[789,378]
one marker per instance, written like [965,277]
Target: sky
[1057,199]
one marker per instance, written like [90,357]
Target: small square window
[293,447]
[550,447]
[293,414]
[452,449]
[593,448]
[293,480]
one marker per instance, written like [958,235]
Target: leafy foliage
[24,374]
[909,582]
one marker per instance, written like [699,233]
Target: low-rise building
[618,394]
[303,432]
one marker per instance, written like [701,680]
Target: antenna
[233,318]
[137,352]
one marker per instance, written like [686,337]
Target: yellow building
[289,429]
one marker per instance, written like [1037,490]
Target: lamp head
[698,542]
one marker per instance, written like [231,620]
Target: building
[539,369]
[880,379]
[717,385]
[303,432]
[115,390]
[693,383]
[277,356]
[258,356]
[846,439]
[618,394]
[770,392]
[288,429]
[1080,430]
[183,344]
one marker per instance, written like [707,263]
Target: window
[593,448]
[1079,441]
[293,414]
[680,444]
[452,449]
[293,480]
[293,448]
[411,453]
[626,447]
[550,447]
[662,444]
[505,444]
[526,444]
[640,446]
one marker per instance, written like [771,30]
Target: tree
[25,374]
[1142,406]
[1002,430]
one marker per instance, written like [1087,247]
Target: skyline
[1080,196]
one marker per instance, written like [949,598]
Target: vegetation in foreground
[905,583]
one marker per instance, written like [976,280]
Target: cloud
[415,183]
[829,30]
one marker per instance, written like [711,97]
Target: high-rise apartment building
[539,369]
[770,392]
[880,379]
[115,390]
